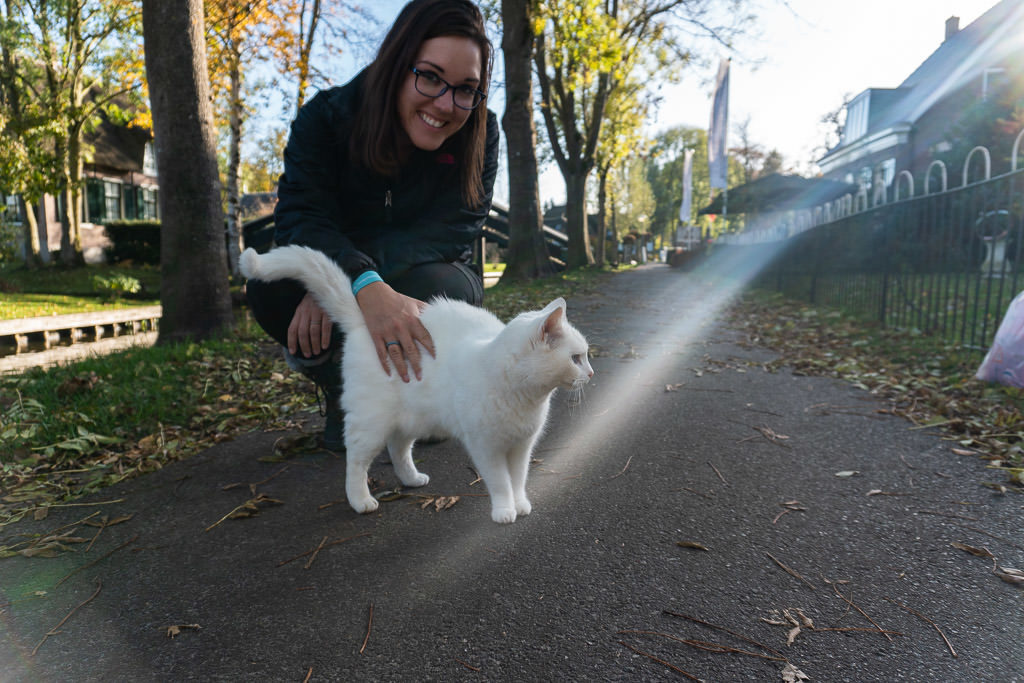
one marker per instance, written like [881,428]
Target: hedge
[137,241]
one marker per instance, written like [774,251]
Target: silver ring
[392,343]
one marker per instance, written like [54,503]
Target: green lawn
[55,290]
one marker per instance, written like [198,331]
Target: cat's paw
[418,479]
[365,505]
[523,506]
[503,515]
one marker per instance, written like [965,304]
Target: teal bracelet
[367,278]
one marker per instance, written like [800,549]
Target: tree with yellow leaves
[68,60]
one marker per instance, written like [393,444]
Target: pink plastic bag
[1004,362]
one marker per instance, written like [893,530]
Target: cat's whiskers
[574,398]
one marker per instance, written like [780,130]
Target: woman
[390,175]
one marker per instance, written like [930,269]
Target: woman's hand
[393,320]
[310,329]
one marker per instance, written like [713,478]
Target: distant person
[391,176]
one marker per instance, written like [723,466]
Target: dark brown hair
[377,132]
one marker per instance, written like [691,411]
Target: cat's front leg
[358,457]
[400,449]
[518,465]
[493,469]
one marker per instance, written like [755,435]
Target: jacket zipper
[387,205]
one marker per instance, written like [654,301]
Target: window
[103,200]
[149,160]
[991,81]
[856,125]
[11,208]
[111,200]
[147,204]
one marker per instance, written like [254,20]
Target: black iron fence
[946,264]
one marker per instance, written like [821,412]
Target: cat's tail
[321,276]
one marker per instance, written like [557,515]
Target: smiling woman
[391,176]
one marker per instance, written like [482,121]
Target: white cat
[489,385]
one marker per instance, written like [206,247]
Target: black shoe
[327,378]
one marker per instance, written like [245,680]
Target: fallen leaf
[979,552]
[847,473]
[791,636]
[1010,575]
[791,674]
[175,630]
[691,544]
[961,451]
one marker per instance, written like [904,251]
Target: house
[120,184]
[915,138]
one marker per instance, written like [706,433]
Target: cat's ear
[553,318]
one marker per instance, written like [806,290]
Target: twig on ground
[53,631]
[624,468]
[934,625]
[998,538]
[948,514]
[468,666]
[702,495]
[718,473]
[369,625]
[309,562]
[321,546]
[252,486]
[99,559]
[862,612]
[790,571]
[660,661]
[309,675]
[723,629]
[705,645]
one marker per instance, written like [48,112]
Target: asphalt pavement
[693,515]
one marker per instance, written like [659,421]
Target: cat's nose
[590,373]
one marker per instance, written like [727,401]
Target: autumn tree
[665,175]
[589,48]
[621,140]
[26,157]
[69,60]
[527,256]
[193,264]
[236,33]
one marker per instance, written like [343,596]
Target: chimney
[952,27]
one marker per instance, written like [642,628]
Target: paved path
[683,439]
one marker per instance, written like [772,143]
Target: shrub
[137,241]
[116,285]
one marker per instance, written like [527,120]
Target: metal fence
[946,263]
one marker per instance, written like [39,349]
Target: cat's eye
[577,358]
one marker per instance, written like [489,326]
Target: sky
[807,56]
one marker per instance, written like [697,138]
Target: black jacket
[365,221]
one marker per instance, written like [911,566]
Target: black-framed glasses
[463,96]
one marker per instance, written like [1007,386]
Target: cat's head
[550,352]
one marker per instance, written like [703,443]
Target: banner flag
[718,159]
[687,204]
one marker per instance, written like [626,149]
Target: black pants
[273,304]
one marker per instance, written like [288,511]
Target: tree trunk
[602,203]
[33,250]
[193,258]
[527,256]
[576,219]
[304,51]
[73,256]
[235,242]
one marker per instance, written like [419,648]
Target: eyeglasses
[463,96]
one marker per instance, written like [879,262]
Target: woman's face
[429,121]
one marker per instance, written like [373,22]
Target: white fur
[489,385]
